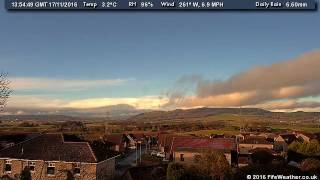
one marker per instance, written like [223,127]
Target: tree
[5,90]
[261,157]
[175,171]
[158,173]
[311,148]
[25,174]
[213,164]
[294,146]
[311,165]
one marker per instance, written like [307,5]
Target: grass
[309,129]
[209,132]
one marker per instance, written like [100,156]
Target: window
[181,157]
[76,169]
[32,165]
[7,167]
[51,168]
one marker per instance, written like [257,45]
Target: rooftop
[51,147]
[225,144]
[255,140]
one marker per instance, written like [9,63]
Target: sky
[162,60]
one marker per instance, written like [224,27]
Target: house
[245,158]
[186,149]
[50,157]
[282,141]
[135,139]
[317,136]
[241,136]
[217,136]
[8,140]
[305,136]
[245,135]
[252,142]
[269,136]
[146,139]
[138,137]
[164,143]
[117,142]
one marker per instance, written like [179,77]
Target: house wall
[253,146]
[106,169]
[228,157]
[87,171]
[161,148]
[188,156]
[117,148]
[280,146]
[239,137]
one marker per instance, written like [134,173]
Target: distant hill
[196,113]
[129,113]
[120,111]
[38,118]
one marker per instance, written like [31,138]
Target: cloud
[40,102]
[145,102]
[23,101]
[290,79]
[28,101]
[22,83]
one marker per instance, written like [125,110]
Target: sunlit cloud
[287,80]
[146,102]
[26,101]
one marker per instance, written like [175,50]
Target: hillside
[120,111]
[196,113]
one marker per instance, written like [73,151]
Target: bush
[311,165]
[175,171]
[213,164]
[158,173]
[25,174]
[27,124]
[178,171]
[70,175]
[208,165]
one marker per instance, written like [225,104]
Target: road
[128,161]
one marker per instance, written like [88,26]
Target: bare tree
[5,90]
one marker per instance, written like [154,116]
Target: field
[223,123]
